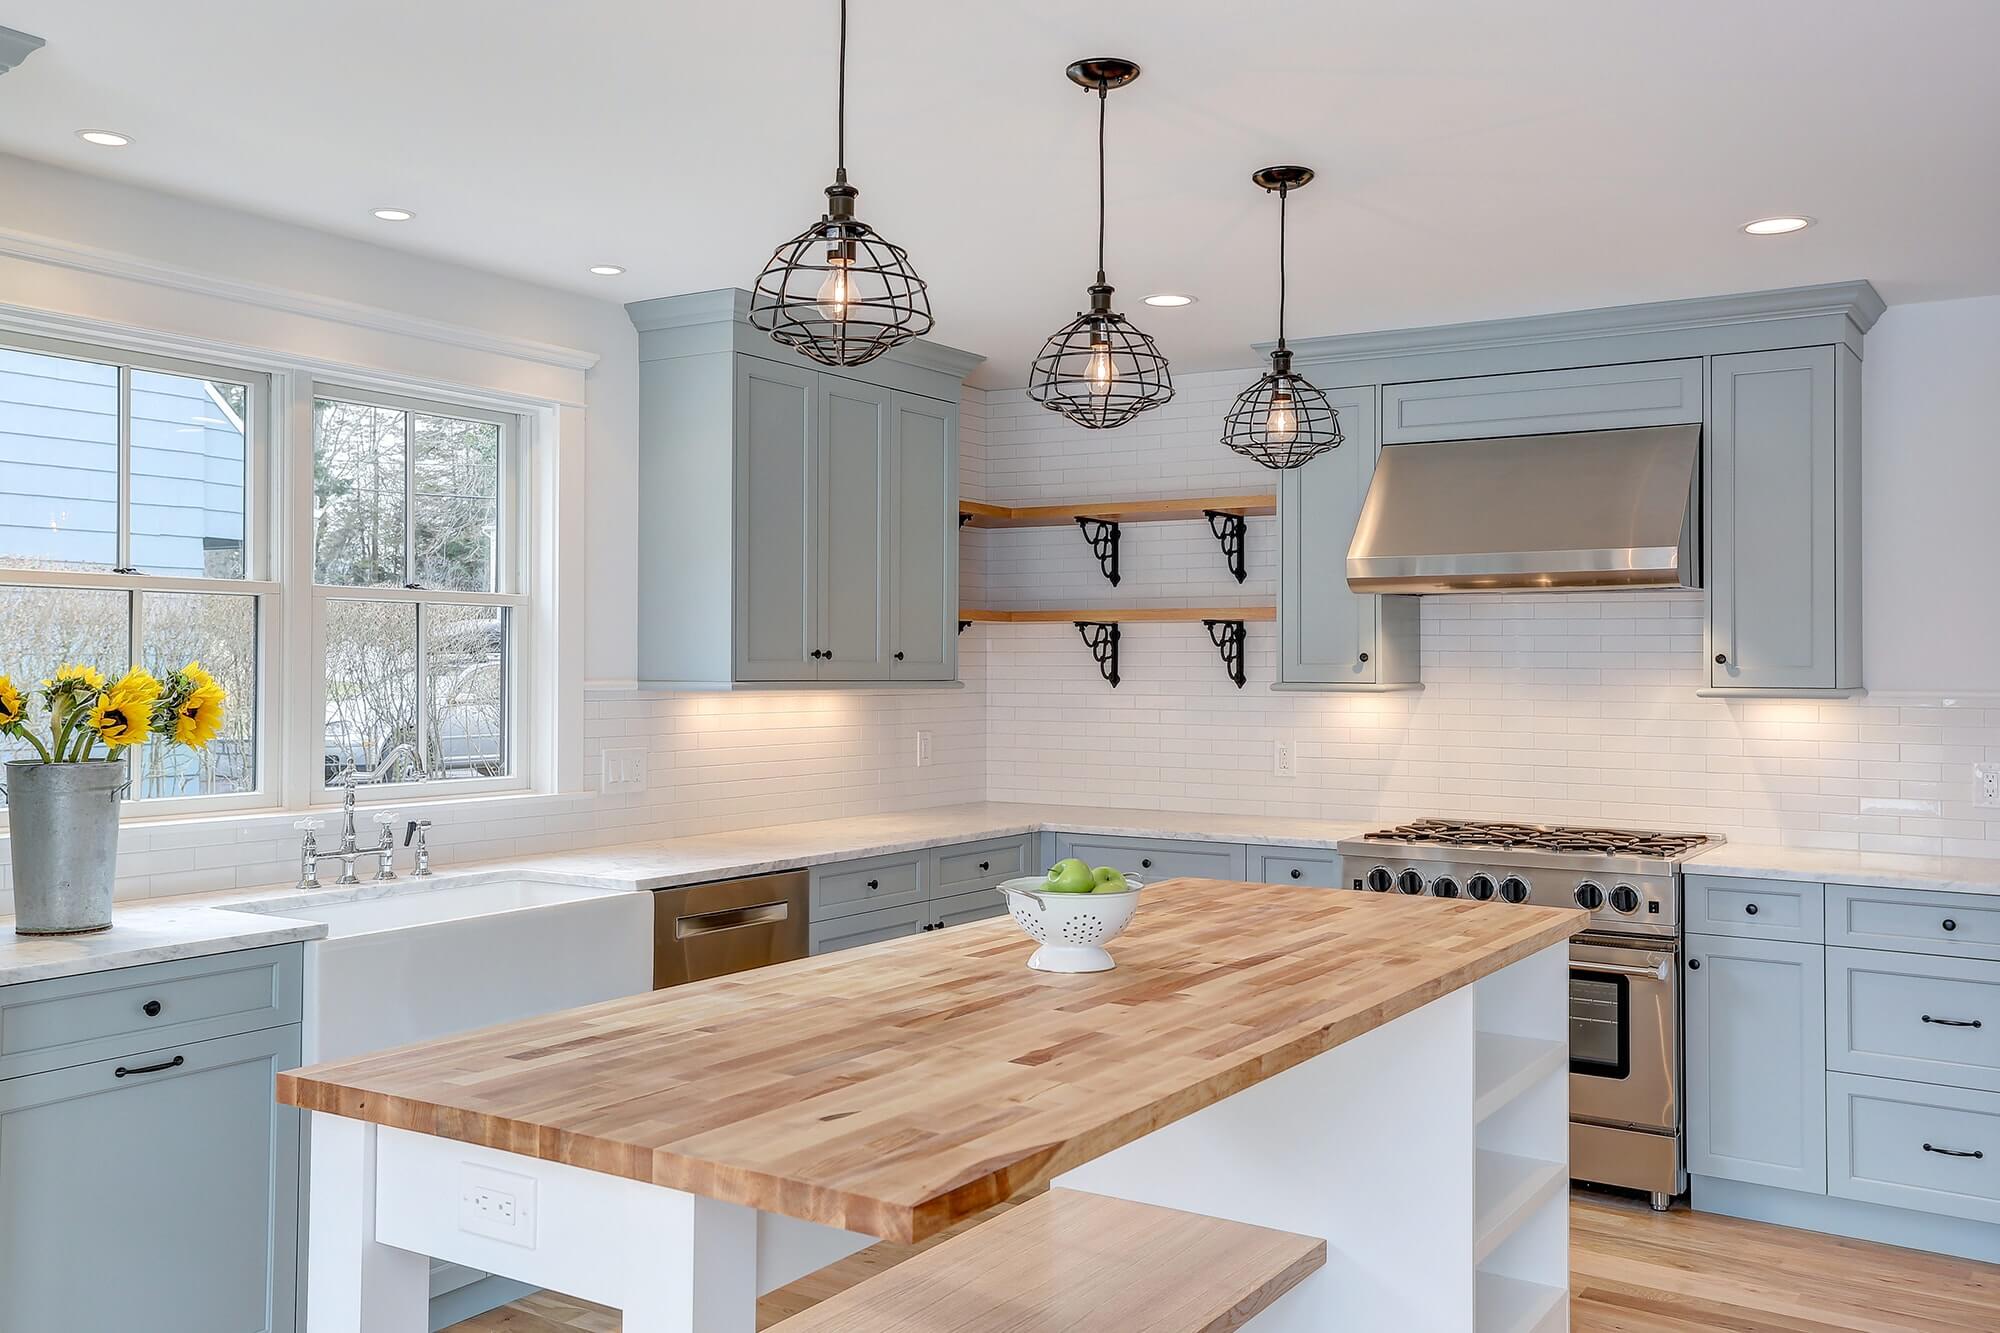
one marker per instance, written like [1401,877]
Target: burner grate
[1542,837]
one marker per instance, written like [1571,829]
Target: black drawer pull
[1954,1022]
[1146,864]
[1949,924]
[985,865]
[1952,1152]
[1694,964]
[150,1008]
[1751,910]
[874,884]
[174,1063]
[1298,874]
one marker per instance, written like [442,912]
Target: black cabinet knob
[985,865]
[1751,910]
[1362,658]
[939,926]
[1146,863]
[929,927]
[1722,659]
[874,883]
[899,657]
[1949,924]
[1694,964]
[150,1008]
[1298,874]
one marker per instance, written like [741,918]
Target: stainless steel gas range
[1624,979]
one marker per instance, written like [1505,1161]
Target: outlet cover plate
[1285,758]
[498,1204]
[1986,786]
[624,771]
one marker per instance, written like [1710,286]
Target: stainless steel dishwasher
[731,925]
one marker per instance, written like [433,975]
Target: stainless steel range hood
[1596,509]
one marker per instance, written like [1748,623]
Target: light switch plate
[624,771]
[498,1204]
[923,749]
[1986,786]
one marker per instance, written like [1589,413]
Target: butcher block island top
[895,1089]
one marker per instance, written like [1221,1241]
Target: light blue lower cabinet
[1914,1017]
[1915,1145]
[1756,1061]
[156,1191]
[959,908]
[851,932]
[1316,868]
[1153,859]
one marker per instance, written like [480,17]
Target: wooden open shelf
[1105,615]
[979,515]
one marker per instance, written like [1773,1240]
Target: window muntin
[419,617]
[128,508]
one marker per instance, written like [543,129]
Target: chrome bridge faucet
[350,849]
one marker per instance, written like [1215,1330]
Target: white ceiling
[1475,159]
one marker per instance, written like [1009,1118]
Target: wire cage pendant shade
[1282,421]
[1100,370]
[839,292]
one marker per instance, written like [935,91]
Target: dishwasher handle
[730,918]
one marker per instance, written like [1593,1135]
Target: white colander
[1072,928]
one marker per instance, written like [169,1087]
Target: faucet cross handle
[309,826]
[385,845]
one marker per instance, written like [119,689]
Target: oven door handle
[1660,971]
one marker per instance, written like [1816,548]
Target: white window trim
[551,504]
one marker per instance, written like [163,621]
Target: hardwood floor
[1631,1271]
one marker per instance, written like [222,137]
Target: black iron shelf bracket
[1229,529]
[1102,534]
[1101,637]
[1228,636]
[964,519]
[964,625]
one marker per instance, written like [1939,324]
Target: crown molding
[114,264]
[16,46]
[724,313]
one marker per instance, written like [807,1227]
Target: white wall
[1539,706]
[1931,500]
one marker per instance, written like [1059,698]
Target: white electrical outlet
[1986,786]
[923,749]
[1284,758]
[499,1204]
[624,770]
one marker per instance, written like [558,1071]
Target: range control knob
[1380,880]
[1625,900]
[1514,889]
[1481,887]
[1409,882]
[1589,896]
[1444,886]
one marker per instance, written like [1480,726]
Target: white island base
[1431,1153]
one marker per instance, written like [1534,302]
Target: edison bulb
[1281,424]
[837,292]
[1099,370]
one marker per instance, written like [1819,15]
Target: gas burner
[1544,838]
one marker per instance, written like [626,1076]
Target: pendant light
[1282,421]
[1100,370]
[839,292]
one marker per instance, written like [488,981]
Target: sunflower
[11,707]
[74,678]
[123,713]
[199,716]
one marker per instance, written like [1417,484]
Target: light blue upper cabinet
[1329,636]
[1784,521]
[1650,393]
[798,524]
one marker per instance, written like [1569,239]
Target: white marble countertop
[145,932]
[1956,874]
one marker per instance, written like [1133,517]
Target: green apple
[1069,875]
[1109,879]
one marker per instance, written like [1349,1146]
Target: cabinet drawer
[982,864]
[1544,402]
[960,908]
[1911,1145]
[1153,860]
[1907,1016]
[867,886]
[859,928]
[1772,909]
[103,1015]
[1284,865]
[1913,920]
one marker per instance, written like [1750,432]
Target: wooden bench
[1078,1263]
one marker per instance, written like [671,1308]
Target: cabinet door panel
[1544,402]
[924,575]
[856,428]
[163,1201]
[1756,1061]
[851,932]
[1328,634]
[1771,503]
[1154,860]
[776,521]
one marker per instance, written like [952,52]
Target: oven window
[1600,1016]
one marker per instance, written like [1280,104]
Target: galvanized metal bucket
[62,825]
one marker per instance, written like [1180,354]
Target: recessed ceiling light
[104,138]
[1777,226]
[1169,298]
[394,214]
[606,270]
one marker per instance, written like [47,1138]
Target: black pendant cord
[840,106]
[1283,190]
[1103,102]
